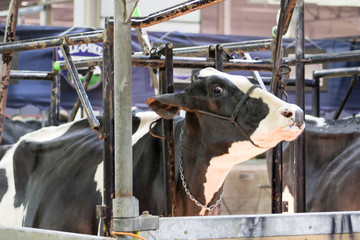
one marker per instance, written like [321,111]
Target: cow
[332,166]
[14,128]
[52,178]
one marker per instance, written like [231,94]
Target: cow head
[261,118]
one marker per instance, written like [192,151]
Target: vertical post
[276,170]
[167,86]
[216,52]
[7,58]
[55,101]
[299,159]
[315,102]
[55,98]
[125,206]
[108,124]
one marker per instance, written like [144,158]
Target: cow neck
[194,156]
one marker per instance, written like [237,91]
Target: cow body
[332,155]
[52,178]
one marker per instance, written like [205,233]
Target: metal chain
[284,74]
[187,191]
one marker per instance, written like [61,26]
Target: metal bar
[288,11]
[94,123]
[12,233]
[108,125]
[167,86]
[316,98]
[54,113]
[337,72]
[125,205]
[181,62]
[329,57]
[310,226]
[346,97]
[276,184]
[299,156]
[50,42]
[170,13]
[10,32]
[77,103]
[31,75]
[218,57]
[276,168]
[229,48]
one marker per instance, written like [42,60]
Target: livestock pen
[114,38]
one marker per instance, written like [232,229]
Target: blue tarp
[37,93]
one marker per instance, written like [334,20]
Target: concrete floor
[247,189]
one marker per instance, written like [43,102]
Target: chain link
[187,191]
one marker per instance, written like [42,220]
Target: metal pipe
[316,98]
[108,125]
[9,36]
[229,48]
[216,53]
[299,156]
[54,114]
[288,11]
[94,123]
[77,103]
[336,72]
[50,42]
[346,97]
[122,103]
[329,57]
[167,86]
[170,13]
[180,62]
[31,75]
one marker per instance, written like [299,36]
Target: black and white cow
[52,178]
[13,129]
[332,155]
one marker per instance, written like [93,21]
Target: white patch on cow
[146,118]
[11,216]
[99,179]
[288,197]
[220,166]
[320,122]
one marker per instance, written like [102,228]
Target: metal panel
[339,225]
[21,233]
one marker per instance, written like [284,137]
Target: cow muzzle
[295,115]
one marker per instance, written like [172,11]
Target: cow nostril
[286,113]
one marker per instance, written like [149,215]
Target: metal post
[55,101]
[315,103]
[125,206]
[218,57]
[77,103]
[55,98]
[108,125]
[94,123]
[7,59]
[276,169]
[299,158]
[167,86]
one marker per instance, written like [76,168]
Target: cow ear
[168,105]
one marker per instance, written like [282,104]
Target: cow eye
[217,90]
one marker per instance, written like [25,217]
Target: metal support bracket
[128,219]
[94,123]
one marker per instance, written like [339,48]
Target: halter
[235,114]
